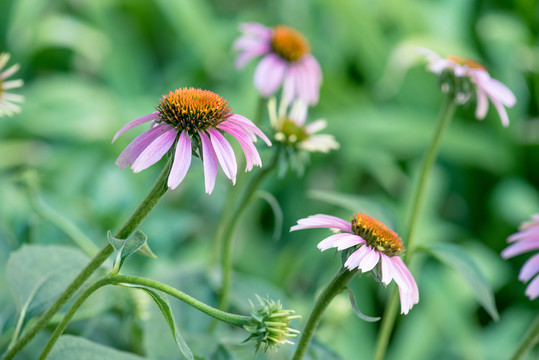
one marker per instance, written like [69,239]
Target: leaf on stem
[356,310]
[164,306]
[455,257]
[126,247]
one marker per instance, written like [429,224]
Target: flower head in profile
[193,121]
[286,61]
[527,239]
[373,246]
[465,77]
[270,324]
[7,99]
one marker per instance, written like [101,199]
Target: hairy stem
[226,251]
[334,288]
[157,191]
[390,313]
[532,338]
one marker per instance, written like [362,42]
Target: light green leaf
[36,274]
[277,212]
[164,306]
[359,313]
[76,348]
[455,257]
[126,247]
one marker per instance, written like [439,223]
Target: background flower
[7,99]
[527,239]
[486,88]
[286,61]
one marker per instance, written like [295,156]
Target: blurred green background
[91,66]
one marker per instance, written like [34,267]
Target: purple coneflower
[194,119]
[291,129]
[375,247]
[7,106]
[486,88]
[527,239]
[287,61]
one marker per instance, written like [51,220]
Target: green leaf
[126,247]
[36,274]
[76,348]
[277,211]
[359,313]
[164,306]
[455,257]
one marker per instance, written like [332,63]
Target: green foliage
[164,306]
[455,257]
[76,348]
[91,66]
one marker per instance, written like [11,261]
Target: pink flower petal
[387,269]
[354,260]
[340,241]
[247,126]
[210,162]
[532,291]
[399,275]
[520,247]
[257,30]
[224,153]
[251,154]
[482,104]
[369,261]
[269,74]
[530,233]
[132,124]
[290,84]
[155,151]
[501,112]
[529,269]
[323,221]
[182,161]
[137,146]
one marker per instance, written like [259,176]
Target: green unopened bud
[269,324]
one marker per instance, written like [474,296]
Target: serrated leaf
[164,307]
[36,274]
[455,257]
[126,247]
[359,313]
[76,348]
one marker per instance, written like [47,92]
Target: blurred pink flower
[376,247]
[527,239]
[286,61]
[486,88]
[7,99]
[192,114]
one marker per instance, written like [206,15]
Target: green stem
[157,191]
[226,251]
[69,315]
[390,313]
[260,107]
[335,287]
[532,338]
[232,319]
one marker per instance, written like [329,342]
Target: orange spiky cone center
[193,109]
[377,234]
[289,43]
[463,61]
